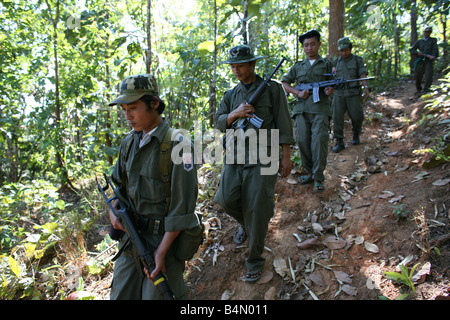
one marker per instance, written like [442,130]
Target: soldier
[157,218]
[244,192]
[427,51]
[311,119]
[347,98]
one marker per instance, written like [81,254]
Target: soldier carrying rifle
[159,195]
[244,193]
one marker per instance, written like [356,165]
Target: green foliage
[436,109]
[404,277]
[399,211]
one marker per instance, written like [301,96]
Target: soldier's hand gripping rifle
[145,255]
[241,123]
[314,86]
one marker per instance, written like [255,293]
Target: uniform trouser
[352,105]
[424,69]
[311,133]
[129,283]
[248,196]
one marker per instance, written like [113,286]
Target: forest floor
[336,245]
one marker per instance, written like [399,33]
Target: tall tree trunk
[444,33]
[59,148]
[414,36]
[336,26]
[212,86]
[244,23]
[149,37]
[396,46]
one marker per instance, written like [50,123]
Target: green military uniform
[245,193]
[137,173]
[347,98]
[311,119]
[423,66]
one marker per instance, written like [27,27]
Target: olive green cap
[134,87]
[344,43]
[241,54]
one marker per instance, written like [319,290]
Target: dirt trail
[364,184]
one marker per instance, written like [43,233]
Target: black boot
[355,140]
[339,145]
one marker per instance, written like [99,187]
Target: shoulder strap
[165,161]
[165,165]
[124,159]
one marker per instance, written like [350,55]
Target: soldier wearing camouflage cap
[347,99]
[159,217]
[424,52]
[244,192]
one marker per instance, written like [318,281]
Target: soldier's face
[311,47]
[345,53]
[139,117]
[244,72]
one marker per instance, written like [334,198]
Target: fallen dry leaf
[359,240]
[310,243]
[344,277]
[280,266]
[371,247]
[270,294]
[317,279]
[441,182]
[227,294]
[349,290]
[266,277]
[334,243]
[421,274]
[317,227]
[386,194]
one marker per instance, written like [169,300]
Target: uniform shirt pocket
[151,187]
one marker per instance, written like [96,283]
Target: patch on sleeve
[187,161]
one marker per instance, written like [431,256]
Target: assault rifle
[145,255]
[241,123]
[314,86]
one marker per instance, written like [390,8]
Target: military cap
[344,43]
[310,34]
[240,54]
[427,28]
[134,87]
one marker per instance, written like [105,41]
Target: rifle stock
[145,255]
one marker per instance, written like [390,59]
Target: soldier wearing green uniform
[347,98]
[427,51]
[158,218]
[244,192]
[311,119]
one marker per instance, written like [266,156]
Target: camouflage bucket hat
[133,88]
[344,43]
[240,54]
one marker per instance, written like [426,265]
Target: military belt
[149,225]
